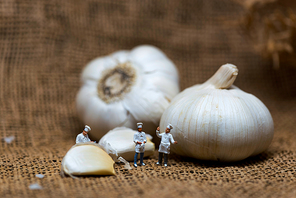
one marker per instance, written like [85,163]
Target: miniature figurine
[164,147]
[140,141]
[83,137]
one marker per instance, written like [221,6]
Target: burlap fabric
[45,44]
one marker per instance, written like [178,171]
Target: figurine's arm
[172,140]
[78,139]
[145,140]
[89,139]
[157,132]
[136,139]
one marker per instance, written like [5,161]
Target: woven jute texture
[45,44]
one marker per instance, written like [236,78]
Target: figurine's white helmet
[170,126]
[87,128]
[140,125]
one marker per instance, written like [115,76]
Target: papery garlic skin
[119,143]
[218,121]
[87,159]
[126,87]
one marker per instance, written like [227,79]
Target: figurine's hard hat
[170,126]
[140,125]
[87,128]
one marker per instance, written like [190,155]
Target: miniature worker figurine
[140,141]
[164,147]
[83,137]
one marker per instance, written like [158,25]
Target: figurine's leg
[135,159]
[166,156]
[160,158]
[141,159]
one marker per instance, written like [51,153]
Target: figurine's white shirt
[81,138]
[166,138]
[140,137]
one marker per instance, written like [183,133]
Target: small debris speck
[35,186]
[9,139]
[40,176]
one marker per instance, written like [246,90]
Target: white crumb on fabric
[40,176]
[35,186]
[9,139]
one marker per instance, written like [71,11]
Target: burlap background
[45,44]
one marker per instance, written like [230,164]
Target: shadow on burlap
[45,44]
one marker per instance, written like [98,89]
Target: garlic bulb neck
[223,78]
[116,82]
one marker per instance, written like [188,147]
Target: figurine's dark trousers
[166,156]
[136,157]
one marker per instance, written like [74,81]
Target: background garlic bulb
[126,87]
[119,143]
[87,159]
[218,121]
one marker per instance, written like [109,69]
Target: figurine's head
[168,129]
[86,130]
[140,126]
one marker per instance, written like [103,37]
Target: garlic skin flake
[87,159]
[218,121]
[125,87]
[119,143]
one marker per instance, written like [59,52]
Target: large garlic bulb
[126,87]
[218,121]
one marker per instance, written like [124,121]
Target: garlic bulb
[218,121]
[87,159]
[125,87]
[119,142]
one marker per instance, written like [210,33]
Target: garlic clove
[143,100]
[121,56]
[96,67]
[87,159]
[146,54]
[119,143]
[115,112]
[161,67]
[263,122]
[162,85]
[93,109]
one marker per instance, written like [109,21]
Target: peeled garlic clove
[119,143]
[87,159]
[218,121]
[127,86]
